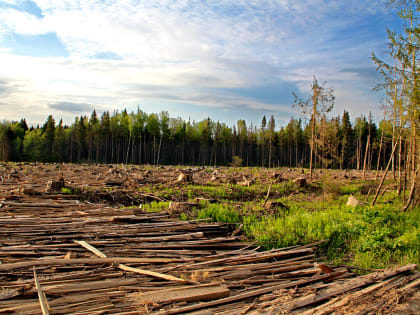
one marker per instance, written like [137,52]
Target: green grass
[156,206]
[219,213]
[367,237]
[352,188]
[66,191]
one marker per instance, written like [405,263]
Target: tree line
[141,138]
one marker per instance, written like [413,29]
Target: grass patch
[66,191]
[156,206]
[219,213]
[350,189]
[369,237]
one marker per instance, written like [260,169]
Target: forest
[141,138]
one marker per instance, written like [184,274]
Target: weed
[66,191]
[156,206]
[350,189]
[219,213]
[183,217]
[370,237]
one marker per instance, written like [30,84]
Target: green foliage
[236,161]
[33,145]
[350,188]
[183,217]
[66,191]
[365,236]
[219,213]
[141,138]
[156,206]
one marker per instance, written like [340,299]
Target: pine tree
[48,138]
[271,128]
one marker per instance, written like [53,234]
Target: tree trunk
[412,190]
[384,175]
[366,154]
[128,150]
[312,140]
[158,155]
[379,155]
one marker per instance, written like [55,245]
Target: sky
[223,59]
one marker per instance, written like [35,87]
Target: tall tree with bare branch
[321,101]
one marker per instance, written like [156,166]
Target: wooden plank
[89,247]
[344,287]
[41,296]
[187,294]
[83,261]
[249,294]
[341,301]
[97,252]
[152,273]
[87,285]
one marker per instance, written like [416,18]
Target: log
[345,287]
[340,301]
[83,261]
[187,294]
[151,273]
[82,286]
[41,296]
[98,253]
[249,294]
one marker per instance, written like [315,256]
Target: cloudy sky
[227,59]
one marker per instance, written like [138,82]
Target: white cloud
[22,22]
[185,46]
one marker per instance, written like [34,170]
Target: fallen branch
[268,193]
[344,287]
[83,261]
[250,294]
[98,253]
[41,296]
[196,293]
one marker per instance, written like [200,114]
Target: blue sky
[227,59]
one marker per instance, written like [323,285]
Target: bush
[236,161]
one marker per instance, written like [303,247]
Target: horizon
[227,60]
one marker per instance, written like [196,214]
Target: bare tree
[322,101]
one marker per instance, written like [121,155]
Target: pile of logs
[82,258]
[60,255]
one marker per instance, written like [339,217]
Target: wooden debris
[55,185]
[82,261]
[187,294]
[274,205]
[95,258]
[176,208]
[98,253]
[300,182]
[246,182]
[185,177]
[41,296]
